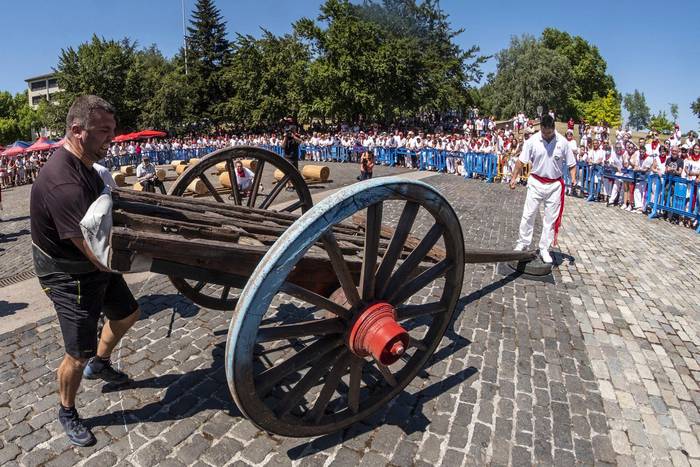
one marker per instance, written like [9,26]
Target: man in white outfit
[548,152]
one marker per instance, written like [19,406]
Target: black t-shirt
[672,165]
[291,148]
[61,195]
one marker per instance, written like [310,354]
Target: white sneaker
[519,247]
[628,208]
[546,257]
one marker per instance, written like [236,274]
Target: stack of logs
[227,239]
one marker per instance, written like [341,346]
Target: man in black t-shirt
[79,286]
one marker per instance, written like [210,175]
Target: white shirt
[547,158]
[104,174]
[596,156]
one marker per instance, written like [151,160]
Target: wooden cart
[336,307]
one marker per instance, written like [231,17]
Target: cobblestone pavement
[634,291]
[529,373]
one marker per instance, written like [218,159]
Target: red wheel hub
[375,332]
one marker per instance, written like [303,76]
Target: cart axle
[375,332]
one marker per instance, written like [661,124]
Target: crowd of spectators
[595,145]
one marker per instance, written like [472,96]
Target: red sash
[557,223]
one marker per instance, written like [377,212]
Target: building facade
[41,87]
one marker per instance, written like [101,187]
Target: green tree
[660,122]
[208,51]
[7,105]
[603,109]
[639,113]
[9,130]
[100,67]
[265,80]
[528,75]
[674,111]
[382,60]
[588,67]
[695,107]
[170,107]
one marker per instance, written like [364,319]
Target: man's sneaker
[546,257]
[519,247]
[77,432]
[102,369]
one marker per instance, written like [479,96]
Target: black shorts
[80,299]
[293,160]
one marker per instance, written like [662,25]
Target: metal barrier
[673,194]
[477,164]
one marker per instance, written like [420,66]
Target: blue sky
[649,45]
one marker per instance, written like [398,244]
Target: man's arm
[82,245]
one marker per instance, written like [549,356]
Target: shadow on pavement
[15,219]
[8,308]
[206,389]
[4,238]
[186,394]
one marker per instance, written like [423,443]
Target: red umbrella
[42,144]
[13,151]
[151,134]
[58,143]
[126,137]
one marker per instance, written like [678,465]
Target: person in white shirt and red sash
[547,151]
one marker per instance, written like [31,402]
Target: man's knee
[75,363]
[131,319]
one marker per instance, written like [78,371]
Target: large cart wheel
[266,193]
[300,364]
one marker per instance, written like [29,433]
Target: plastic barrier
[673,194]
[481,165]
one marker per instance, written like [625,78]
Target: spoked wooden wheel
[290,194]
[302,364]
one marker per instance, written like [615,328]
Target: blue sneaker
[103,369]
[77,432]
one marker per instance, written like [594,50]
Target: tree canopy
[639,113]
[557,71]
[695,107]
[378,61]
[18,119]
[528,75]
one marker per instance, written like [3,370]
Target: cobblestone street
[601,366]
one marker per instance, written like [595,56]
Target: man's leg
[527,223]
[112,332]
[552,205]
[122,311]
[70,373]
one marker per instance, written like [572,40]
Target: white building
[41,87]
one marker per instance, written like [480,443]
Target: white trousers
[450,162]
[616,188]
[539,193]
[640,200]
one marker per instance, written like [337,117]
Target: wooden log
[194,161]
[316,172]
[161,173]
[180,169]
[137,186]
[119,178]
[224,179]
[198,187]
[127,170]
[176,163]
[251,164]
[217,211]
[279,175]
